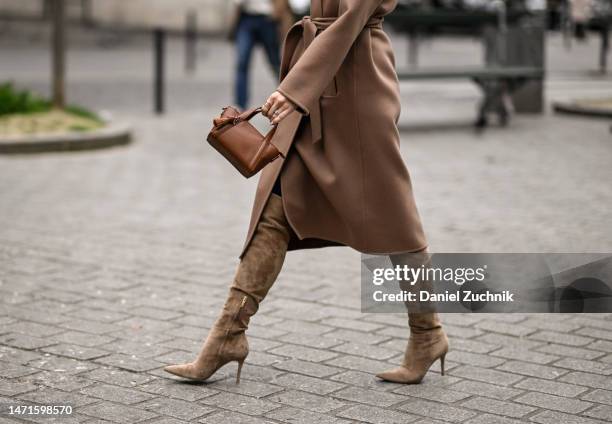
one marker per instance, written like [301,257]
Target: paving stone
[304,353]
[434,410]
[357,363]
[509,341]
[298,416]
[590,380]
[472,346]
[370,397]
[351,324]
[556,403]
[525,355]
[227,417]
[535,370]
[365,380]
[557,325]
[49,396]
[601,412]
[145,350]
[301,327]
[485,389]
[317,342]
[359,336]
[32,329]
[486,375]
[23,341]
[599,396]
[129,362]
[551,387]
[97,314]
[500,407]
[8,370]
[477,359]
[365,350]
[504,328]
[257,373]
[243,404]
[308,384]
[75,351]
[493,419]
[554,417]
[602,345]
[594,333]
[16,355]
[60,381]
[178,390]
[574,352]
[176,408]
[307,368]
[262,345]
[82,339]
[248,388]
[308,401]
[116,413]
[116,394]
[142,324]
[12,387]
[434,393]
[263,359]
[559,338]
[59,364]
[373,415]
[585,366]
[89,326]
[116,376]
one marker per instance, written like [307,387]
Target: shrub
[14,101]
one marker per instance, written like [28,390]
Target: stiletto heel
[239,371]
[442,364]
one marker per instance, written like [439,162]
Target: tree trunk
[58,51]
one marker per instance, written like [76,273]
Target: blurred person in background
[581,11]
[263,22]
[341,181]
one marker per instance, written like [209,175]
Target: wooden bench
[497,85]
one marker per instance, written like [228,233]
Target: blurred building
[213,15]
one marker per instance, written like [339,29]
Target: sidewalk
[114,263]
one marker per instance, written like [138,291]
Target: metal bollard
[159,38]
[191,38]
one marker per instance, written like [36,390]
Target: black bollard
[159,38]
[191,38]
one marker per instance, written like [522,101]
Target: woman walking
[343,181]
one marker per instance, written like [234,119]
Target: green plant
[83,113]
[15,101]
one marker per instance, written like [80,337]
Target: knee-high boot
[427,342]
[257,271]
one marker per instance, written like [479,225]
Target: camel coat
[343,180]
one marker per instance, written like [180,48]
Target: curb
[576,109]
[114,134]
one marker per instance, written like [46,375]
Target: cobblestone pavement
[115,262]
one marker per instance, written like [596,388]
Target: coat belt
[307,29]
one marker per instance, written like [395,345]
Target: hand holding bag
[240,143]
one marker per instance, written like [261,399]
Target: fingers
[282,114]
[267,108]
[277,107]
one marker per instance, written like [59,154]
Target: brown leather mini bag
[240,143]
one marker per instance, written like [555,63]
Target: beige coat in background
[344,181]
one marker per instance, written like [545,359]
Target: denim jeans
[253,30]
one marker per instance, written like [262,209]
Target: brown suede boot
[427,342]
[258,269]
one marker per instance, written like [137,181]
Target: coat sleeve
[315,69]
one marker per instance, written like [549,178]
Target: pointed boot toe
[399,375]
[183,370]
